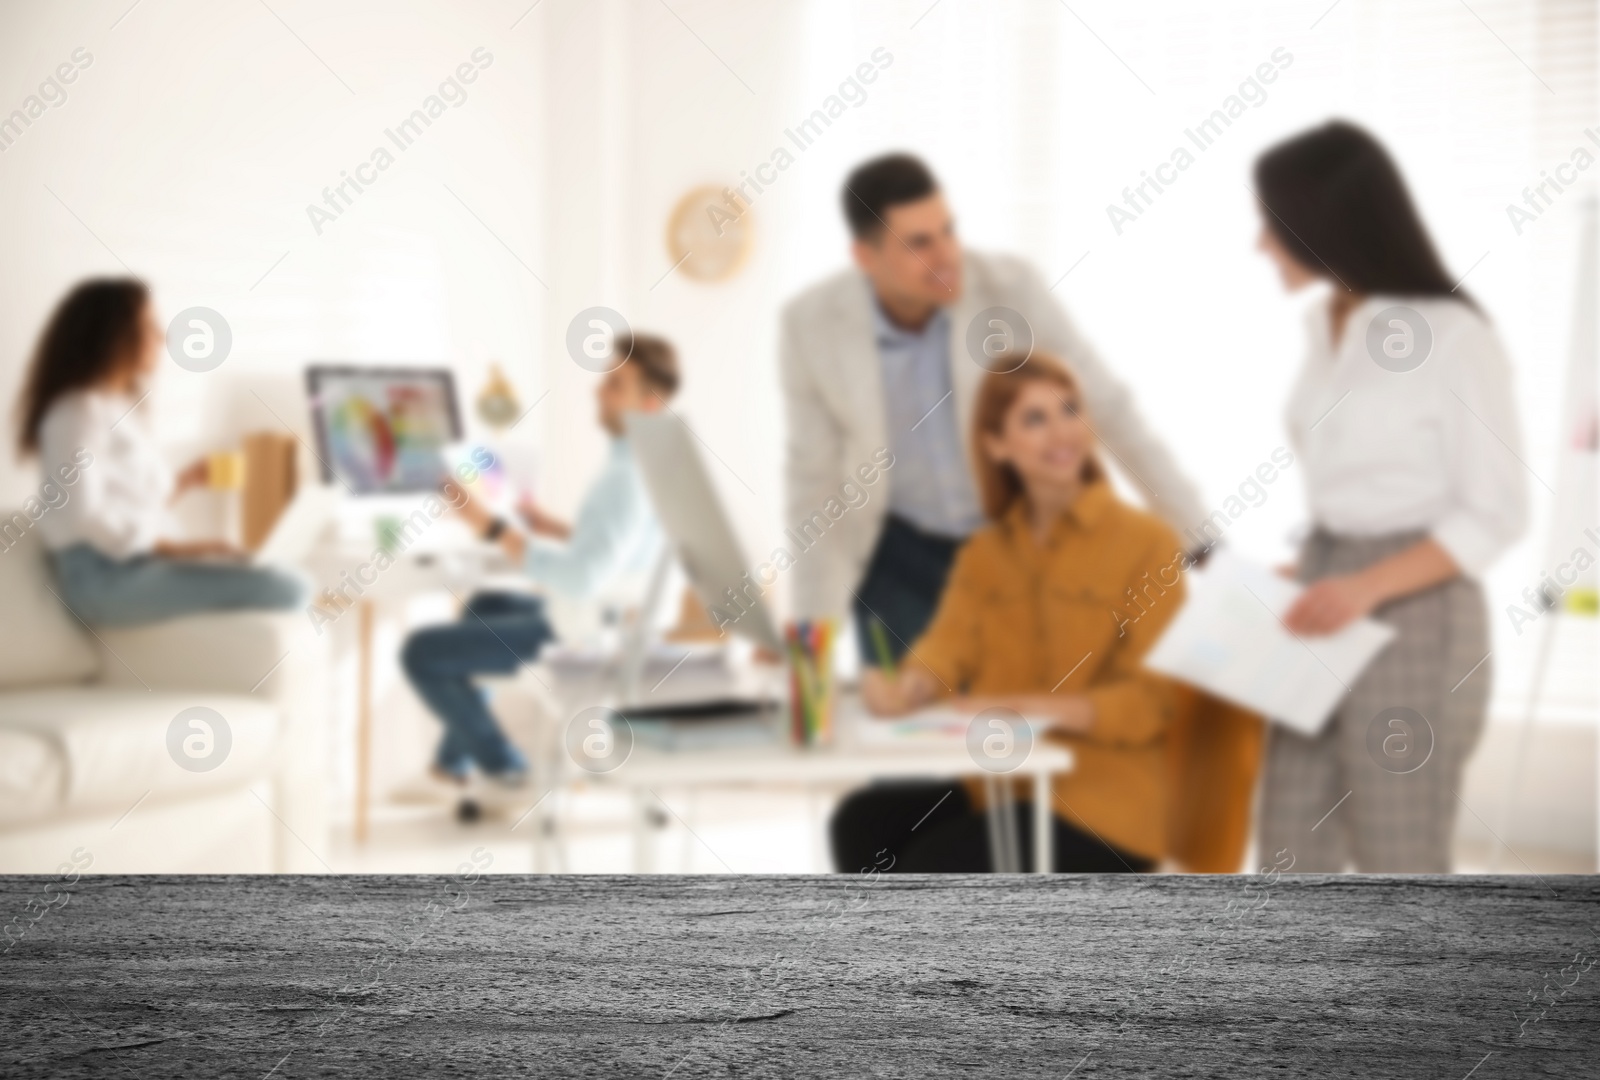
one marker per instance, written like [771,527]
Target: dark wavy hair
[88,336]
[1335,200]
[873,187]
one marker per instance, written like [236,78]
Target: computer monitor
[687,506]
[383,430]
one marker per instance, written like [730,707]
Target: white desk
[850,761]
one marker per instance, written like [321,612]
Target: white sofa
[85,716]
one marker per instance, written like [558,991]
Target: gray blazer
[833,390]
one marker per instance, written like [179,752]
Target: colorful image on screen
[384,431]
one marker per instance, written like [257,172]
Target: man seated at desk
[615,535]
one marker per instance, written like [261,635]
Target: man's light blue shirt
[615,534]
[932,485]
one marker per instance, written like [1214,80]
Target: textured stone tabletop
[793,976]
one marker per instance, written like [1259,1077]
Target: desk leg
[686,840]
[539,842]
[363,719]
[821,861]
[1008,827]
[1044,833]
[997,840]
[641,831]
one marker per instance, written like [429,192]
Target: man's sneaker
[507,790]
[447,776]
[513,780]
[438,786]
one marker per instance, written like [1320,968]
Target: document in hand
[1229,640]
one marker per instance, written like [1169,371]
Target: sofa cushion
[40,640]
[31,771]
[77,749]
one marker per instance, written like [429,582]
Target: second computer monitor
[383,430]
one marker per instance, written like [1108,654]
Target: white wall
[188,150]
[641,112]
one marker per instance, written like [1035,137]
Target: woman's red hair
[998,484]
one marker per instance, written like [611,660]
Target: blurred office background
[188,152]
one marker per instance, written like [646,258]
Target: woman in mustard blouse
[1048,612]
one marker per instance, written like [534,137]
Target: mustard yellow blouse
[1073,616]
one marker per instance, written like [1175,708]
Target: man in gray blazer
[880,367]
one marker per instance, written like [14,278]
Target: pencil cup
[811,685]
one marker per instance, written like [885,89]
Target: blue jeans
[148,588]
[498,633]
[902,586]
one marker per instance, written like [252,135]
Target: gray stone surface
[741,976]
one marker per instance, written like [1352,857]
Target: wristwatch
[493,530]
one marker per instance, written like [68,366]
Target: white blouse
[1434,448]
[119,503]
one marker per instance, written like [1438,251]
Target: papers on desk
[929,724]
[660,660]
[754,729]
[1229,640]
[926,725]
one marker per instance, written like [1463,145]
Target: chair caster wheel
[468,811]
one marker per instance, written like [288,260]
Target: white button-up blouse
[1411,425]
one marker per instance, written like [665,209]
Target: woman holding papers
[1047,613]
[1403,419]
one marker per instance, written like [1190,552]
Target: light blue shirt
[931,485]
[615,534]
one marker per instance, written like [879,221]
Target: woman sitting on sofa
[110,540]
[1048,613]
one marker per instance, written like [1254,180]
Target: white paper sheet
[935,724]
[1229,640]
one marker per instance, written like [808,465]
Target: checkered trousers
[1377,789]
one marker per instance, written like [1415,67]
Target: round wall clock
[710,234]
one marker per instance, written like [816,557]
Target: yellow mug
[225,470]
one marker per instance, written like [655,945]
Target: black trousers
[934,829]
[901,589]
